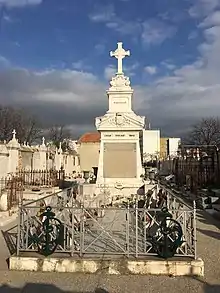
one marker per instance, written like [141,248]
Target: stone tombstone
[13,148]
[4,160]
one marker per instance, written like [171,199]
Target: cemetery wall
[15,157]
[4,155]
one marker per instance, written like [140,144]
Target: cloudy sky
[54,58]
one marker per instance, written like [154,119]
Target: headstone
[13,148]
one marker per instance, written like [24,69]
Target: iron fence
[41,178]
[12,188]
[197,171]
[127,230]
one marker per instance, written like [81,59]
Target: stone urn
[86,176]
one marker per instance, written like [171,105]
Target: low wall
[111,267]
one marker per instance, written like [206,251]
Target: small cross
[120,54]
[14,134]
[60,147]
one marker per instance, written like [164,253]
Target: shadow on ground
[10,237]
[48,288]
[211,289]
[210,233]
[43,288]
[8,240]
[204,217]
[207,288]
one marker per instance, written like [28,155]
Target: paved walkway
[208,249]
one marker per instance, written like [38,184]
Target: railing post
[81,231]
[72,232]
[136,228]
[194,229]
[168,200]
[18,232]
[145,231]
[127,229]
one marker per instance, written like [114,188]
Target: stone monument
[120,164]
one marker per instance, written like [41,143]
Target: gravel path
[208,237]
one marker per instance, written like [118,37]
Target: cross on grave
[14,134]
[120,54]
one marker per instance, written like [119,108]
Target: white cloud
[156,32]
[130,70]
[107,15]
[67,97]
[8,18]
[151,70]
[17,44]
[4,62]
[124,27]
[193,35]
[203,8]
[211,20]
[174,14]
[20,3]
[80,65]
[151,31]
[102,13]
[189,92]
[168,64]
[109,71]
[192,90]
[50,85]
[100,48]
[172,101]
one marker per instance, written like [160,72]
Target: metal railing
[41,178]
[127,230]
[12,187]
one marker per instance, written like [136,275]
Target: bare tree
[205,132]
[58,134]
[27,127]
[33,130]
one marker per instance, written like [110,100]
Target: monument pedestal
[120,164]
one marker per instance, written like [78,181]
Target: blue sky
[53,51]
[57,34]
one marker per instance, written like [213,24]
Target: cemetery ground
[208,246]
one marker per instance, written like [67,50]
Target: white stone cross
[14,134]
[120,54]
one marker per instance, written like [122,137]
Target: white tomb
[120,162]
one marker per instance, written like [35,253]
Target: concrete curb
[111,267]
